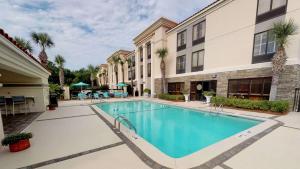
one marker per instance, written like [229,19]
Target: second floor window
[197,61]
[180,64]
[149,69]
[133,61]
[141,53]
[141,71]
[264,46]
[149,50]
[181,40]
[198,33]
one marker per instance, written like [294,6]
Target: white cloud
[88,31]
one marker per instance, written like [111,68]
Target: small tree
[122,68]
[282,30]
[60,61]
[93,73]
[162,53]
[129,62]
[115,60]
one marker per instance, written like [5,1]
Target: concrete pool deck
[73,136]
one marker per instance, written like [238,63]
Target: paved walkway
[74,132]
[73,136]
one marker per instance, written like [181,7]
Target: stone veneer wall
[289,80]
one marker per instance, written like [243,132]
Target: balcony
[179,48]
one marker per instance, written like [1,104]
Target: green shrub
[209,93]
[14,138]
[146,90]
[104,87]
[264,105]
[171,97]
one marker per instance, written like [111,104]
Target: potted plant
[186,94]
[17,142]
[208,95]
[147,92]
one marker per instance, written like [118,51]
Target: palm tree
[282,30]
[115,60]
[93,73]
[100,75]
[60,61]
[129,62]
[44,41]
[104,74]
[24,44]
[162,53]
[122,68]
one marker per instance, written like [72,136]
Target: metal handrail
[124,119]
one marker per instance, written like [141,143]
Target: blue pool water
[177,131]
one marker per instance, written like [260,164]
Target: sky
[88,31]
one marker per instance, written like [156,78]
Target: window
[267,9]
[199,33]
[129,75]
[133,73]
[264,47]
[181,40]
[197,61]
[149,50]
[149,69]
[180,64]
[175,88]
[141,53]
[141,71]
[254,88]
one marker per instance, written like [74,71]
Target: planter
[187,97]
[52,107]
[19,146]
[208,98]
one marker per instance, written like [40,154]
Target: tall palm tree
[282,30]
[24,44]
[93,73]
[104,74]
[44,41]
[129,62]
[121,61]
[115,60]
[162,53]
[60,62]
[100,75]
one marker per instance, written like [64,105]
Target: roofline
[117,52]
[201,11]
[154,26]
[12,41]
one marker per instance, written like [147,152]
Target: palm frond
[24,44]
[282,30]
[60,61]
[162,52]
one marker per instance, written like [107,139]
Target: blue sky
[88,31]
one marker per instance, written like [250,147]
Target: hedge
[171,97]
[264,105]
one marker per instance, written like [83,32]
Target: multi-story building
[146,43]
[226,47]
[112,78]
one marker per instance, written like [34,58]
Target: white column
[153,57]
[145,61]
[1,128]
[137,70]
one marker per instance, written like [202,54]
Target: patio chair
[96,96]
[106,95]
[82,96]
[19,100]
[3,103]
[125,94]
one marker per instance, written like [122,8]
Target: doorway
[198,87]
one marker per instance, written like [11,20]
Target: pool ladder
[219,109]
[119,119]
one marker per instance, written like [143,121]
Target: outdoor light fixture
[214,76]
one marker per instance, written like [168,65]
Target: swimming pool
[177,131]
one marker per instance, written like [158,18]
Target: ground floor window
[254,88]
[175,88]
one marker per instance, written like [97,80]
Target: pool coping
[208,157]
